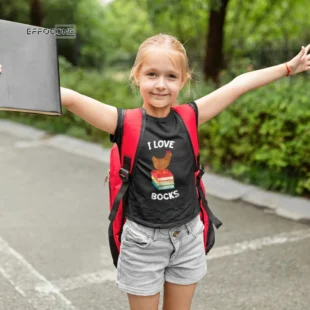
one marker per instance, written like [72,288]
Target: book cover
[29,81]
[160,187]
[162,175]
[169,182]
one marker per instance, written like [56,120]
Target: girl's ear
[183,83]
[137,81]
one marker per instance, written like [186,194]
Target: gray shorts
[149,257]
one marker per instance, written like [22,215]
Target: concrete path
[54,252]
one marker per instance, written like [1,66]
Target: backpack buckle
[124,174]
[201,171]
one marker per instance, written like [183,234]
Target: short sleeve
[194,106]
[117,137]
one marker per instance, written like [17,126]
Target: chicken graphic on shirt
[162,178]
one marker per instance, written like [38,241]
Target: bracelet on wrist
[288,70]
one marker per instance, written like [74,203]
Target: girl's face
[160,80]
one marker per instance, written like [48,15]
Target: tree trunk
[215,39]
[36,13]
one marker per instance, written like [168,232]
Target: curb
[290,207]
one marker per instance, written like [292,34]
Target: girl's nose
[161,83]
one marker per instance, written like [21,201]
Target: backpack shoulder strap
[188,116]
[133,126]
[190,120]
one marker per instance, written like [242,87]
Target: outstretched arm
[214,103]
[99,115]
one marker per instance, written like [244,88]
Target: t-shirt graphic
[162,178]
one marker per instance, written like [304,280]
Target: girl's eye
[172,76]
[151,74]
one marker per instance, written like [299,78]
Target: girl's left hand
[301,62]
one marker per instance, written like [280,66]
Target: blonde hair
[161,40]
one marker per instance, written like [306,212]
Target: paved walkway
[54,251]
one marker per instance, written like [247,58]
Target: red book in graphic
[162,175]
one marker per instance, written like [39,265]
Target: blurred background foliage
[261,139]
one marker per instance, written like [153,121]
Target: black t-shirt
[162,191]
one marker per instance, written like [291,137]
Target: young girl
[162,240]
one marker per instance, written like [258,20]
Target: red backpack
[122,163]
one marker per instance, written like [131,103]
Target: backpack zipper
[107,177]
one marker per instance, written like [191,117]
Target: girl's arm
[214,103]
[94,112]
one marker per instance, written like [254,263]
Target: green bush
[263,138]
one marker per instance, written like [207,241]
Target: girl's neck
[156,112]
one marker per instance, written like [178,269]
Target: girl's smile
[159,95]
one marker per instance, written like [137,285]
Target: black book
[29,81]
